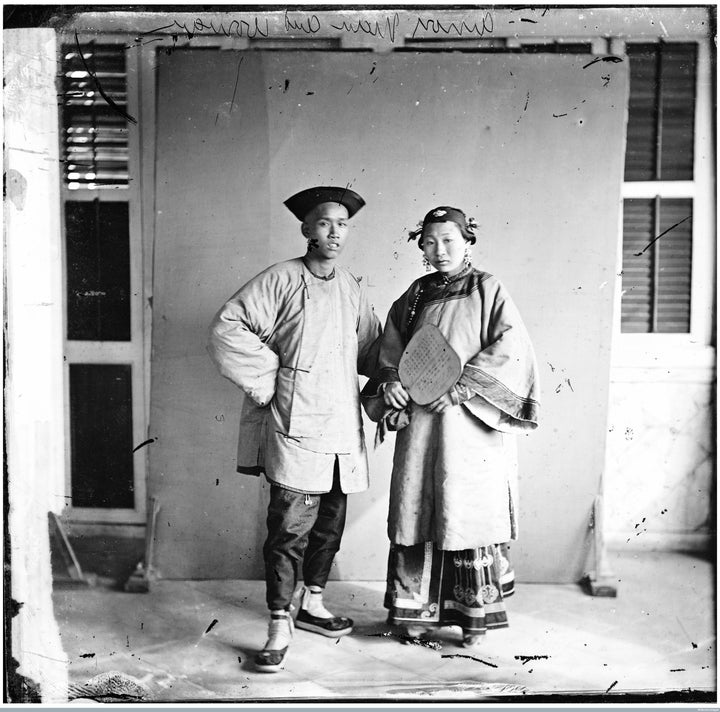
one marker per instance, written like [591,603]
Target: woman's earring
[467,259]
[426,264]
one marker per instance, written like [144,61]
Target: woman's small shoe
[408,633]
[334,627]
[471,640]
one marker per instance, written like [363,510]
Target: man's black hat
[303,202]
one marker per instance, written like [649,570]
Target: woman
[452,494]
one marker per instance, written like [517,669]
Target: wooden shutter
[661,112]
[677,99]
[660,147]
[637,272]
[642,115]
[674,256]
[94,133]
[656,279]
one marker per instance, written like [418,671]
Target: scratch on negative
[110,102]
[347,185]
[527,658]
[654,240]
[470,657]
[614,60]
[237,78]
[211,626]
[143,444]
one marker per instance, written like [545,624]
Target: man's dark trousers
[303,528]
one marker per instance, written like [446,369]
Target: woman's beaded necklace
[417,304]
[414,309]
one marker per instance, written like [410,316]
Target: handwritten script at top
[388,27]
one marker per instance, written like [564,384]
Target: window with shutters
[95,132]
[659,225]
[103,282]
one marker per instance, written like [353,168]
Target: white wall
[660,476]
[34,391]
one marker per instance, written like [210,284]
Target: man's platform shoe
[280,630]
[334,627]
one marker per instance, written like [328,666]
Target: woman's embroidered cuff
[460,393]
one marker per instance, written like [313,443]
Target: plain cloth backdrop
[531,146]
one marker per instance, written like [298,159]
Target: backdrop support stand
[144,573]
[599,580]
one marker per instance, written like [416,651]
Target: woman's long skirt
[430,587]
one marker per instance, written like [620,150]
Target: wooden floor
[658,635]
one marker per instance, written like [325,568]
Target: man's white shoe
[280,631]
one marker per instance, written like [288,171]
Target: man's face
[326,229]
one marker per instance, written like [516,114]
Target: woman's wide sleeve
[504,373]
[392,345]
[238,336]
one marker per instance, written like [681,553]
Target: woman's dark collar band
[443,279]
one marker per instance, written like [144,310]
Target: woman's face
[444,247]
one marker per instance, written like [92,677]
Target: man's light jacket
[295,343]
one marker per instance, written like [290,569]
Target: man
[294,339]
